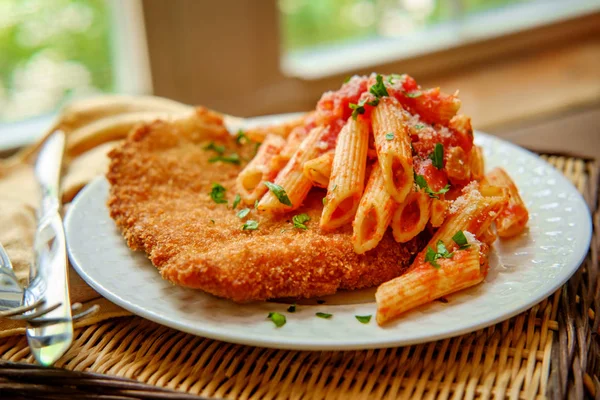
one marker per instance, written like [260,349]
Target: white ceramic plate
[523,272]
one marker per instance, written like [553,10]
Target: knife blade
[48,275]
[11,293]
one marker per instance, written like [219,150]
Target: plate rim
[325,343]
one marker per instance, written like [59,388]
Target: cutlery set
[44,304]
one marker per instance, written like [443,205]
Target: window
[328,37]
[56,50]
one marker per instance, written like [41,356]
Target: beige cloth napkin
[93,127]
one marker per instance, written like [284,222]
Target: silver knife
[48,275]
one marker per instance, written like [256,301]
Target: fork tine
[36,314]
[92,310]
[20,310]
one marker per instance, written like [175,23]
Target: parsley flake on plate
[236,201]
[233,158]
[217,148]
[324,315]
[243,213]
[389,136]
[300,220]
[363,319]
[419,126]
[422,183]
[438,156]
[250,225]
[218,193]
[277,318]
[256,204]
[461,240]
[279,192]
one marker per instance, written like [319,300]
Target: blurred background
[522,66]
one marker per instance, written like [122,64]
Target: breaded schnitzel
[161,178]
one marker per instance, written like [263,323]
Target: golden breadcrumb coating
[160,183]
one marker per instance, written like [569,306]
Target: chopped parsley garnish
[461,240]
[363,319]
[219,149]
[378,89]
[243,213]
[212,221]
[432,256]
[250,225]
[438,156]
[236,201]
[324,201]
[256,204]
[279,192]
[334,187]
[240,137]
[324,315]
[299,221]
[277,318]
[347,79]
[218,193]
[357,109]
[360,107]
[389,136]
[419,126]
[292,308]
[233,158]
[392,77]
[412,95]
[422,183]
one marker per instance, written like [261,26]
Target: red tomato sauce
[431,110]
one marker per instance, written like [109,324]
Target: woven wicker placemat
[552,351]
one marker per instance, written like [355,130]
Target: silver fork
[11,299]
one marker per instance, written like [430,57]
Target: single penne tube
[250,181]
[425,283]
[471,212]
[292,142]
[411,217]
[347,179]
[513,219]
[439,209]
[477,163]
[318,170]
[456,168]
[374,213]
[291,178]
[393,145]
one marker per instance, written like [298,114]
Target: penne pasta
[296,136]
[471,212]
[318,170]
[250,181]
[439,209]
[291,178]
[347,175]
[514,217]
[425,283]
[393,145]
[457,167]
[477,163]
[373,215]
[411,216]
